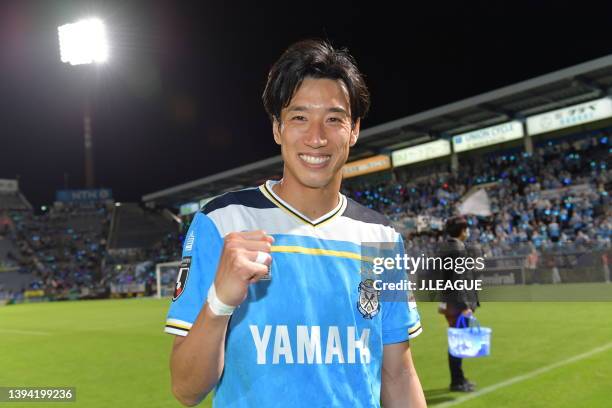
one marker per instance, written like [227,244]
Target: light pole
[84,42]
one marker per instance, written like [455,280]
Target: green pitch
[115,353]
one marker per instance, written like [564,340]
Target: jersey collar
[269,193]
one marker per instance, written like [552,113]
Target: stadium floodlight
[83,42]
[80,43]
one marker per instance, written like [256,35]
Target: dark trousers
[454,363]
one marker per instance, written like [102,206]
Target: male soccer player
[270,308]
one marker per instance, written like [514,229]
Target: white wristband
[216,306]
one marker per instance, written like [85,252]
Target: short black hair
[455,226]
[314,59]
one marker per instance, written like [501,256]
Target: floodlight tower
[84,42]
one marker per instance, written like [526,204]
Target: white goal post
[165,277]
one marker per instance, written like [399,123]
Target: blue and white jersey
[312,335]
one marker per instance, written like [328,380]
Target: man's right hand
[198,359]
[467,312]
[237,267]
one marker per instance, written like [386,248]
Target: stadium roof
[569,86]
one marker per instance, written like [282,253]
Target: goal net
[165,276]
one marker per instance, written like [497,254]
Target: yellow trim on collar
[264,189]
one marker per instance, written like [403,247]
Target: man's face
[315,132]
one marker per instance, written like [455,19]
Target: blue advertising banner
[79,196]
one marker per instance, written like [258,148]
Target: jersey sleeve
[400,317]
[201,253]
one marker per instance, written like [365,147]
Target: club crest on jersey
[368,303]
[181,279]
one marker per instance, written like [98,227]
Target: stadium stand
[557,194]
[133,227]
[14,201]
[63,253]
[550,210]
[16,264]
[8,254]
[68,244]
[138,239]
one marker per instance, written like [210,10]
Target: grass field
[115,354]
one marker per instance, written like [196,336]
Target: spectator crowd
[557,196]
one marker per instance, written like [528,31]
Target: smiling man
[270,307]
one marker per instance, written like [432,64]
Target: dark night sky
[179,98]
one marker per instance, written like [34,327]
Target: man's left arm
[400,382]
